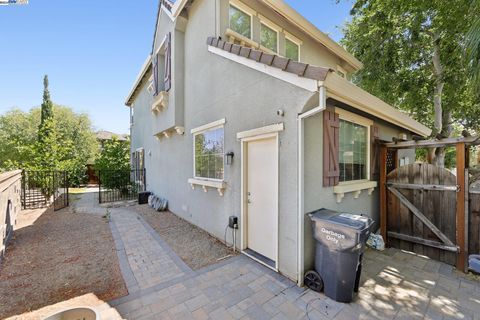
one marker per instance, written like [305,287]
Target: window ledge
[244,41]
[204,183]
[355,187]
[160,102]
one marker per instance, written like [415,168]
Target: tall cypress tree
[46,148]
[47,104]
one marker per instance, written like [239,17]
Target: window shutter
[168,62]
[155,74]
[331,142]
[375,153]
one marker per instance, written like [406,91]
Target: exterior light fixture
[229,158]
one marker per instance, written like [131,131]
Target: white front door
[262,197]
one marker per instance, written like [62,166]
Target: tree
[46,148]
[413,53]
[47,104]
[115,155]
[473,46]
[113,165]
[74,142]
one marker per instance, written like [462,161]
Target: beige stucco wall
[215,88]
[10,188]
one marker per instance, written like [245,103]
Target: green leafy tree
[115,155]
[413,53]
[473,46]
[113,165]
[18,135]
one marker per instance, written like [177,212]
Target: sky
[92,51]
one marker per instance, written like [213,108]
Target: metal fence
[42,188]
[120,185]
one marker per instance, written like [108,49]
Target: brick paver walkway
[150,261]
[395,285]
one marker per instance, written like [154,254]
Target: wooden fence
[474,223]
[422,211]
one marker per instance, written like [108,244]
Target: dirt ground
[194,246]
[61,256]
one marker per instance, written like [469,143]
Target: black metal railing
[120,185]
[42,188]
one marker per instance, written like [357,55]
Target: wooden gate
[421,206]
[474,222]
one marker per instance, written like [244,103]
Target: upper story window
[240,22]
[354,147]
[292,50]
[269,38]
[209,151]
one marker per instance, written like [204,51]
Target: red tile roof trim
[299,68]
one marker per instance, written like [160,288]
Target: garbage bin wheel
[313,281]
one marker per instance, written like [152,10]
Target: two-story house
[244,108]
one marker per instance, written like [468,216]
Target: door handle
[248,198]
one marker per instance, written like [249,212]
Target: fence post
[144,179]
[24,204]
[460,216]
[383,193]
[99,187]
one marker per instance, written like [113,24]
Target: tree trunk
[442,125]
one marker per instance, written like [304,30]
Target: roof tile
[285,64]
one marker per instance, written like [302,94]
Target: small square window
[269,38]
[292,50]
[240,22]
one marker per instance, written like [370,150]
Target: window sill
[356,187]
[160,102]
[204,183]
[244,41]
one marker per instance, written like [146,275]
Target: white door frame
[246,137]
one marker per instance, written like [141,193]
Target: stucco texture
[207,88]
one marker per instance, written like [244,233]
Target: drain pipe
[301,150]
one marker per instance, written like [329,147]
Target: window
[292,50]
[354,146]
[209,153]
[269,38]
[240,22]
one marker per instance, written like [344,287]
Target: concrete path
[395,285]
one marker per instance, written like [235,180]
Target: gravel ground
[194,246]
[61,256]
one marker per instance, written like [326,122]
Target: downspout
[301,152]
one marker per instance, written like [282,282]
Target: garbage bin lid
[353,221]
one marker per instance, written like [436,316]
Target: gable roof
[286,11]
[337,87]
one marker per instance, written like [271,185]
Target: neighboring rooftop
[107,135]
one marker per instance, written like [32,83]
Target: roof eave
[343,90]
[301,22]
[138,80]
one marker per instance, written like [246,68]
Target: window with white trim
[292,50]
[240,21]
[269,38]
[354,147]
[209,153]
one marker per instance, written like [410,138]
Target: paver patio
[395,285]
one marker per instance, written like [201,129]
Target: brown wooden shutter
[168,62]
[155,74]
[331,142]
[375,153]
